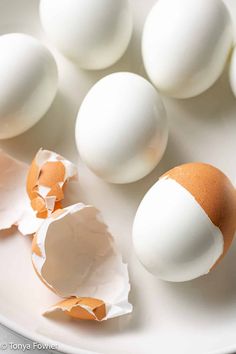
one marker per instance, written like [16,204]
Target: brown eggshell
[35,247]
[32,178]
[214,193]
[75,308]
[52,175]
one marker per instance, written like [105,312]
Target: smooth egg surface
[94,33]
[121,128]
[28,83]
[186,44]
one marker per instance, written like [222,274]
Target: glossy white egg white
[173,236]
[95,33]
[28,83]
[121,128]
[186,44]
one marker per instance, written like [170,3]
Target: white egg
[232,72]
[28,83]
[121,129]
[186,44]
[95,33]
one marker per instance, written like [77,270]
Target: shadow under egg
[17,19]
[130,61]
[212,105]
[134,192]
[214,291]
[45,133]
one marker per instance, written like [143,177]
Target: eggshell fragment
[74,255]
[48,174]
[14,203]
[81,308]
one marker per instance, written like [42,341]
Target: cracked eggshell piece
[121,128]
[75,256]
[186,222]
[15,207]
[47,177]
[81,308]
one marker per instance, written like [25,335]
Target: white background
[195,317]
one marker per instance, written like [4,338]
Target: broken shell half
[46,180]
[75,256]
[15,207]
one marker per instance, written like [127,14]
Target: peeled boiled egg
[185,45]
[28,83]
[186,222]
[121,128]
[95,33]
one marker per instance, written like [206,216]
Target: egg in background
[95,33]
[121,128]
[186,222]
[28,83]
[185,45]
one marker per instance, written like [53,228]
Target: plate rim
[39,338]
[68,349]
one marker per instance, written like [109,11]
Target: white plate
[194,317]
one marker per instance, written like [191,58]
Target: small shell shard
[35,247]
[81,308]
[15,207]
[47,176]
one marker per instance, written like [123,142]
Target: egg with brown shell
[186,222]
